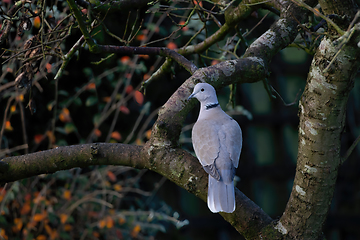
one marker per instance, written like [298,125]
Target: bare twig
[328,20]
[350,150]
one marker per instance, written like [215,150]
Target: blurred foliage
[104,203]
[97,98]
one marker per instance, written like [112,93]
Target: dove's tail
[221,196]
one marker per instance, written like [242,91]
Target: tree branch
[322,119]
[165,52]
[177,165]
[83,28]
[63,158]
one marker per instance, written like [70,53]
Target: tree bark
[322,111]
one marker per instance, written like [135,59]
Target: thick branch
[175,164]
[322,119]
[63,158]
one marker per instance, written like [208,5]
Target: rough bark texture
[322,111]
[322,118]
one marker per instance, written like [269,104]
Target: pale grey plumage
[217,142]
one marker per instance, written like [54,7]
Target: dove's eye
[202,90]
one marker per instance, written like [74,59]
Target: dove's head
[205,93]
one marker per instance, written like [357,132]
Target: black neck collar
[212,105]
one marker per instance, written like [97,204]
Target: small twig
[68,56]
[328,20]
[137,123]
[10,150]
[82,25]
[22,115]
[165,52]
[344,39]
[113,35]
[103,59]
[252,29]
[5,116]
[350,150]
[286,104]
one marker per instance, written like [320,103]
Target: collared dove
[217,142]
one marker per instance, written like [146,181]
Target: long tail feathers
[221,196]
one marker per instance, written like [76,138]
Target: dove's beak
[191,96]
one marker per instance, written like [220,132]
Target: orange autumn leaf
[68,227]
[39,199]
[51,136]
[124,109]
[197,2]
[116,135]
[26,208]
[106,99]
[146,76]
[65,115]
[97,132]
[129,89]
[48,67]
[13,108]
[37,22]
[90,86]
[143,56]
[182,24]
[50,106]
[139,97]
[171,46]
[8,126]
[141,37]
[122,221]
[135,231]
[125,59]
[128,75]
[214,62]
[139,142]
[96,234]
[67,195]
[111,176]
[38,138]
[28,197]
[63,218]
[39,217]
[41,237]
[109,222]
[18,224]
[148,134]
[102,223]
[117,187]
[20,97]
[3,234]
[51,232]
